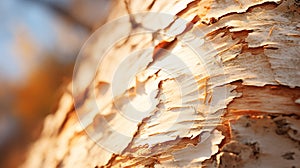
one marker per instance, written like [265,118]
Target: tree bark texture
[250,54]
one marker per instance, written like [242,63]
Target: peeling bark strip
[239,105]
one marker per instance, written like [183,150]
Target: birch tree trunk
[221,91]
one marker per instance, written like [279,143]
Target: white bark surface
[237,106]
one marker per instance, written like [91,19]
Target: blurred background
[39,42]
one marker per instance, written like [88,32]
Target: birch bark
[237,106]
